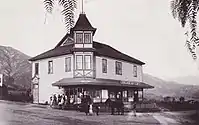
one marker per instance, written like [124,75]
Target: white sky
[143,29]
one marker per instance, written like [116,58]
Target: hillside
[169,88]
[194,80]
[14,65]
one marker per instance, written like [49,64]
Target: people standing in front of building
[59,98]
[62,103]
[97,108]
[54,103]
[134,108]
[51,101]
[86,108]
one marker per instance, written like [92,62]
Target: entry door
[35,93]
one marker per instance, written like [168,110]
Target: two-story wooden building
[79,65]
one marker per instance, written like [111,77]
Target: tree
[181,99]
[186,12]
[68,10]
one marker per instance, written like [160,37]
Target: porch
[101,89]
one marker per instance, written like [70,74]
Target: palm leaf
[186,12]
[49,5]
[68,10]
[180,10]
[68,13]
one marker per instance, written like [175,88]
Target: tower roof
[83,24]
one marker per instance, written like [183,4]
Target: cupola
[83,32]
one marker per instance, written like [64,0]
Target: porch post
[127,95]
[121,94]
[142,95]
[82,90]
[115,92]
[108,93]
[101,96]
[74,95]
[69,95]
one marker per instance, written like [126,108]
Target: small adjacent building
[79,65]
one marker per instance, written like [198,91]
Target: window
[36,68]
[131,93]
[50,67]
[68,64]
[125,94]
[104,65]
[79,62]
[87,61]
[87,38]
[97,94]
[79,38]
[118,68]
[135,71]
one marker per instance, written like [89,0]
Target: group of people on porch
[86,103]
[60,101]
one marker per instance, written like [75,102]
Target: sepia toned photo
[99,62]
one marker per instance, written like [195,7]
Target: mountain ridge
[15,67]
[170,88]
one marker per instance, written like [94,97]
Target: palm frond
[192,49]
[180,10]
[68,10]
[193,9]
[49,5]
[186,12]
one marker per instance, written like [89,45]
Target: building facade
[79,65]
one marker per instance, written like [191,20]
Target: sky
[143,29]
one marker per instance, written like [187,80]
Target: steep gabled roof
[83,24]
[98,48]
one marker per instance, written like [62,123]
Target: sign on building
[1,79]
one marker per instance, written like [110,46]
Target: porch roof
[67,82]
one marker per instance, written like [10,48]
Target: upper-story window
[68,64]
[50,67]
[79,61]
[118,68]
[104,65]
[87,61]
[135,71]
[87,37]
[36,68]
[79,38]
